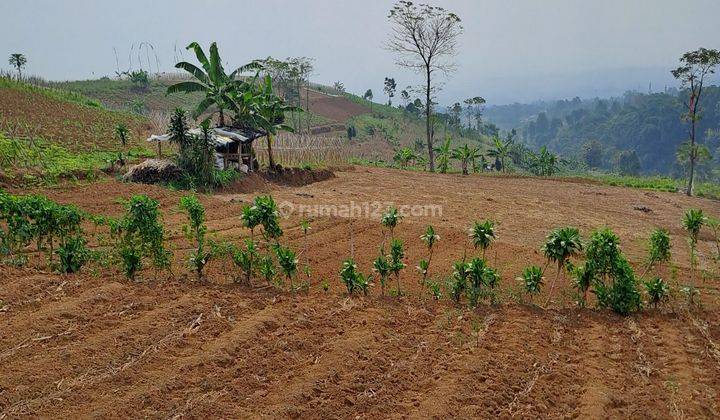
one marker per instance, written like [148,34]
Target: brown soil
[96,345]
[76,127]
[336,108]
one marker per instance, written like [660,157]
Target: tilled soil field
[97,345]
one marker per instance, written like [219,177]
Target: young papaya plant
[139,234]
[397,253]
[430,238]
[532,280]
[352,278]
[268,215]
[287,259]
[482,280]
[381,265]
[390,220]
[251,219]
[266,268]
[613,278]
[582,276]
[196,230]
[73,254]
[458,281]
[693,220]
[482,235]
[658,248]
[244,258]
[560,245]
[657,291]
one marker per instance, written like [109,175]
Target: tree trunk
[271,161]
[222,118]
[431,152]
[464,167]
[692,154]
[552,285]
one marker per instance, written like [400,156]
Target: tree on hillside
[339,86]
[368,96]
[405,96]
[694,67]
[455,113]
[592,154]
[389,89]
[18,61]
[270,115]
[221,90]
[474,110]
[424,38]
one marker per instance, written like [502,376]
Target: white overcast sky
[511,50]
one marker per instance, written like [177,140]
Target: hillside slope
[64,118]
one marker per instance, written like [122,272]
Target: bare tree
[694,67]
[424,38]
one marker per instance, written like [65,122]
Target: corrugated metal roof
[221,136]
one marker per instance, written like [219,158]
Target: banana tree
[222,90]
[444,153]
[270,114]
[501,151]
[465,154]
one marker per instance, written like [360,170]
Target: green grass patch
[51,92]
[44,163]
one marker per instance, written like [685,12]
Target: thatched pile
[153,171]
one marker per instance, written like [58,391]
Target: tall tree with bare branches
[424,38]
[695,66]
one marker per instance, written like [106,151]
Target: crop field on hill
[95,344]
[28,111]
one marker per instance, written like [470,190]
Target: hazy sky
[511,50]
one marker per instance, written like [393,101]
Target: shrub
[692,221]
[140,234]
[658,247]
[196,230]
[657,290]
[266,268]
[288,263]
[73,254]
[266,213]
[36,218]
[613,279]
[390,219]
[532,280]
[622,295]
[430,238]
[560,245]
[482,235]
[244,258]
[352,278]
[381,265]
[458,281]
[482,280]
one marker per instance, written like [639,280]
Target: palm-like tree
[18,61]
[501,150]
[443,155]
[544,163]
[482,235]
[560,245]
[222,90]
[269,114]
[465,154]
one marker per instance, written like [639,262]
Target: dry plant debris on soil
[97,345]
